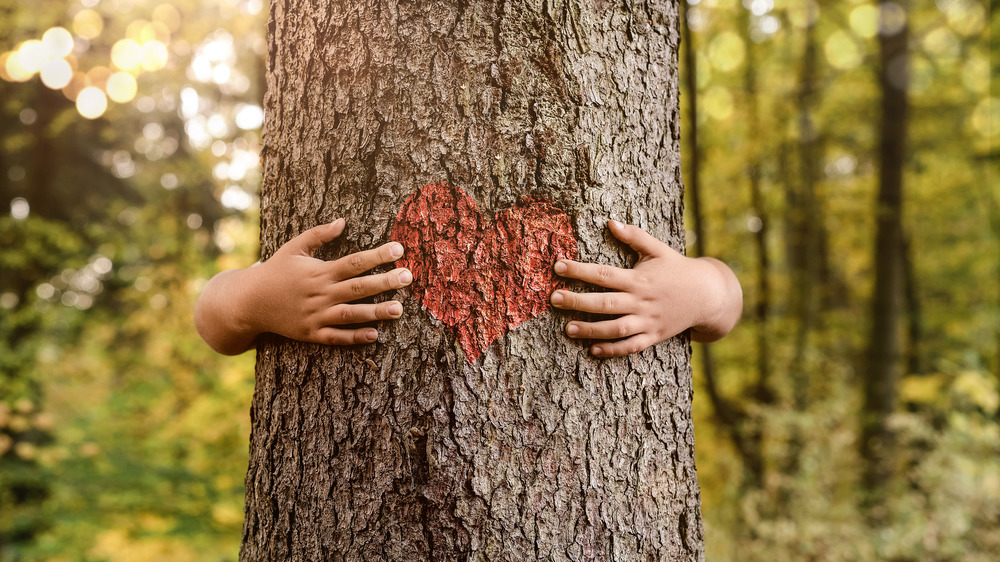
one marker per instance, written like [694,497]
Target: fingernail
[396,250]
[561,267]
[371,335]
[618,225]
[405,277]
[596,350]
[557,298]
[395,309]
[572,329]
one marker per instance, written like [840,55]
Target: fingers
[629,337]
[618,328]
[619,348]
[340,336]
[599,303]
[342,314]
[370,285]
[360,262]
[596,274]
[313,239]
[638,239]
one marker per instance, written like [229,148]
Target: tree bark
[432,444]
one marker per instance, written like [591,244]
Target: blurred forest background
[129,167]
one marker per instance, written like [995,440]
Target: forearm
[723,298]
[221,313]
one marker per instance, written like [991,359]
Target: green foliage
[942,503]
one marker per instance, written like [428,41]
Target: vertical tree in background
[438,442]
[883,355]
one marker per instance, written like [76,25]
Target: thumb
[313,239]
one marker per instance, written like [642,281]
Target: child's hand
[298,296]
[663,295]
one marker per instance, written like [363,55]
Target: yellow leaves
[227,514]
[985,119]
[951,391]
[122,546]
[922,389]
[977,389]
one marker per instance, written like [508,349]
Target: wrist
[247,311]
[723,301]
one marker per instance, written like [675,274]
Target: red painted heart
[481,279]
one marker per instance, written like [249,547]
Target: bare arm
[298,296]
[664,294]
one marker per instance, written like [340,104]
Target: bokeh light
[98,76]
[126,54]
[154,55]
[842,51]
[726,51]
[31,55]
[12,69]
[719,103]
[168,16]
[892,18]
[56,73]
[76,84]
[58,42]
[864,20]
[91,102]
[966,17]
[943,44]
[88,24]
[19,208]
[121,87]
[249,117]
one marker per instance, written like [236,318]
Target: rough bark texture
[410,449]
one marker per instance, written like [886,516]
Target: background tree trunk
[882,374]
[409,449]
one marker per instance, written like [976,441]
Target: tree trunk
[489,137]
[882,373]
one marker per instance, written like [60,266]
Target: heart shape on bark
[477,277]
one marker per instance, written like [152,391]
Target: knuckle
[344,315]
[356,261]
[604,272]
[608,303]
[357,287]
[621,329]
